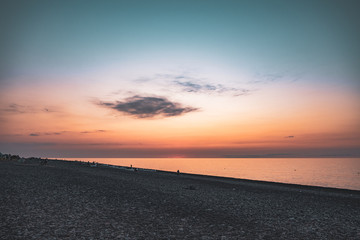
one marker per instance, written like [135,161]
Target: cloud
[194,87]
[46,133]
[16,108]
[187,83]
[21,109]
[37,134]
[289,136]
[85,132]
[53,133]
[148,107]
[62,132]
[189,86]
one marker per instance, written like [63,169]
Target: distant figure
[177,172]
[131,166]
[43,161]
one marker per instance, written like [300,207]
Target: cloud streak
[96,131]
[148,107]
[16,108]
[195,87]
[190,84]
[46,134]
[36,134]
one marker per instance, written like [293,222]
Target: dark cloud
[46,133]
[148,107]
[289,136]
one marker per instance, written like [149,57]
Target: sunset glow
[107,81]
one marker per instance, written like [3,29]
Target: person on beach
[43,161]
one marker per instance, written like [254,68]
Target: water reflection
[327,172]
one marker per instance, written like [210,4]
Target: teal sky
[259,37]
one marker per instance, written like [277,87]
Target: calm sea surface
[326,172]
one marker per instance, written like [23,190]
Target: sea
[325,172]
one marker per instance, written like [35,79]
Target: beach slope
[71,200]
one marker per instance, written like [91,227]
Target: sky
[180,78]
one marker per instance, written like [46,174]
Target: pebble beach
[72,200]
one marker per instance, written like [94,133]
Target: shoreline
[71,200]
[280,184]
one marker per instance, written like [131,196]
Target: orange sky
[286,118]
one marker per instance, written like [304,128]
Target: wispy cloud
[188,83]
[192,86]
[148,107]
[53,133]
[46,133]
[20,109]
[95,131]
[36,134]
[290,137]
[16,108]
